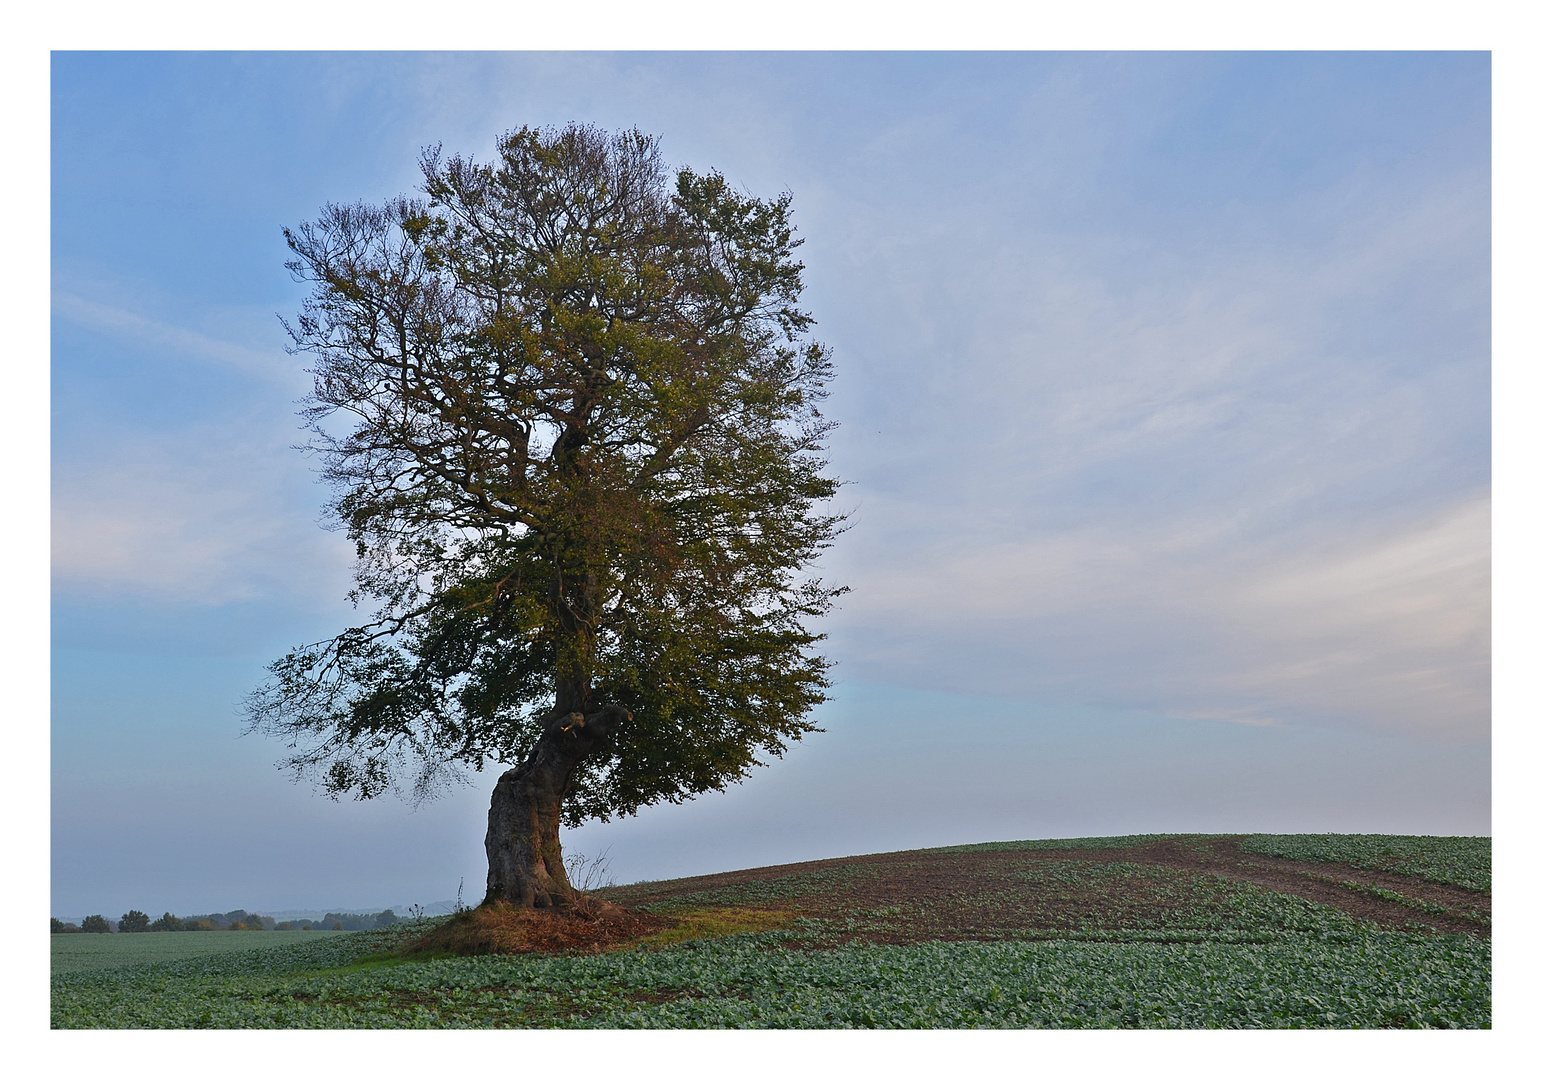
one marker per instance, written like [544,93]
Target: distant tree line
[137,922]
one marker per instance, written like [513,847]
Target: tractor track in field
[1338,885]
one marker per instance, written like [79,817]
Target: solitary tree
[134,922]
[569,409]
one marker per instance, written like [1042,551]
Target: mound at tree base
[504,928]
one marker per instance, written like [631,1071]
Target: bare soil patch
[903,897]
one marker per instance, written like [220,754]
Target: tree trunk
[524,854]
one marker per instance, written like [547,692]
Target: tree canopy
[568,405]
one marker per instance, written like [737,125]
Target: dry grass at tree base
[504,929]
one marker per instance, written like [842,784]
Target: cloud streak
[131,326]
[201,516]
[1394,627]
[1388,628]
[1249,483]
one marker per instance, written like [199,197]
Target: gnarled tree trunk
[524,854]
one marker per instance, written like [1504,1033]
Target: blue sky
[1164,391]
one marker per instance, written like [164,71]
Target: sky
[1163,383]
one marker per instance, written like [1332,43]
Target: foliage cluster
[569,405]
[337,920]
[239,919]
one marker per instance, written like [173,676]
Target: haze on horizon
[1163,383]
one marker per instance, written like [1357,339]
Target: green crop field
[1040,938]
[1455,860]
[93,952]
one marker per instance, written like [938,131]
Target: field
[94,952]
[1148,931]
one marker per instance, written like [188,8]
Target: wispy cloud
[1393,626]
[273,365]
[202,510]
[1247,486]
[200,517]
[1389,627]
